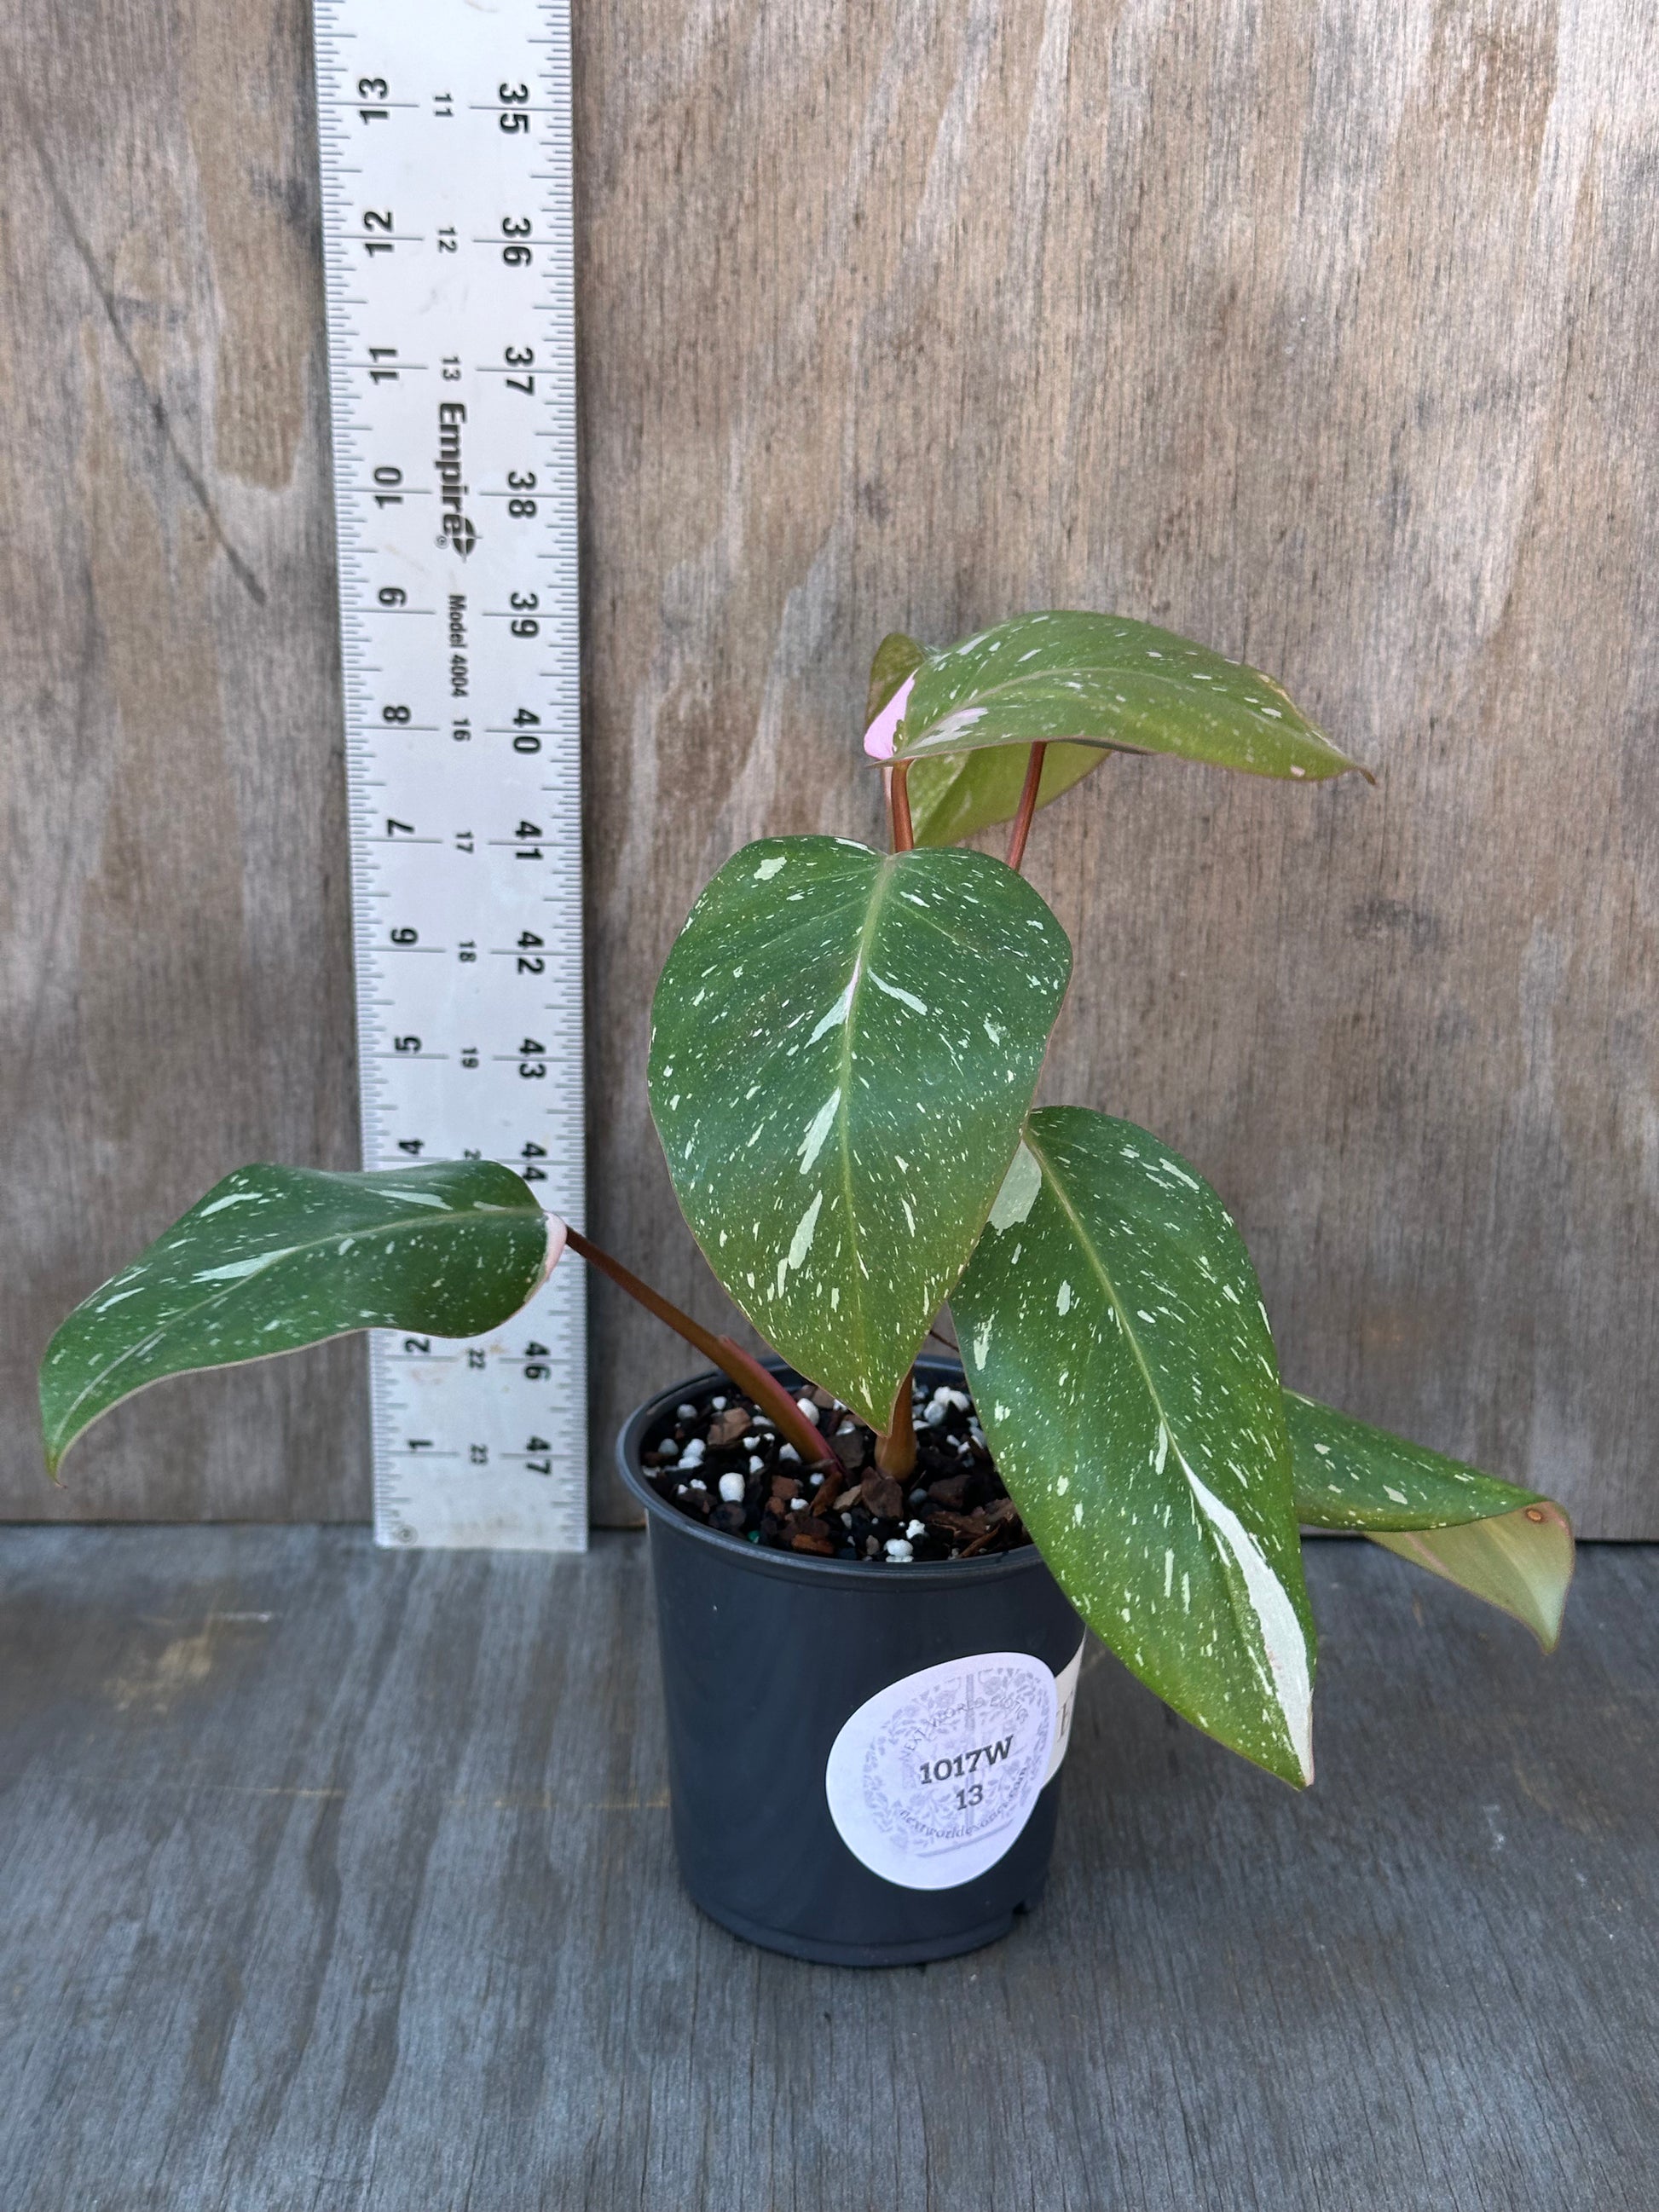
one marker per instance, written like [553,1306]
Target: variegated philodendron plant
[845,1047]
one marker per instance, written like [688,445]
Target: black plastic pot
[775,1667]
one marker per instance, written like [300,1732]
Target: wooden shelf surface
[335,1879]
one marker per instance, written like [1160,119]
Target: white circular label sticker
[931,1779]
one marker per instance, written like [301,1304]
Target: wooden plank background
[337,1880]
[1323,332]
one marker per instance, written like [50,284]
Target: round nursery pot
[864,1759]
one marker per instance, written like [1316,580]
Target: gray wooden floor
[333,1879]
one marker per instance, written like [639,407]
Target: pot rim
[931,1574]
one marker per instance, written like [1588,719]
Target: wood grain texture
[174,924]
[338,1878]
[1321,333]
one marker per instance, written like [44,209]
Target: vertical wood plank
[175,926]
[1319,335]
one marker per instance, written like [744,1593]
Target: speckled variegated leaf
[1103,680]
[274,1258]
[843,1047]
[1509,1546]
[1124,1371]
[1349,1475]
[953,797]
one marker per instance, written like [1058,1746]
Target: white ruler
[445,170]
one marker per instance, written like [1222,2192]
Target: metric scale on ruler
[446,174]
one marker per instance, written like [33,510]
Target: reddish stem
[896,1452]
[1028,801]
[904,838]
[746,1372]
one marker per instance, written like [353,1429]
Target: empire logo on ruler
[446,171]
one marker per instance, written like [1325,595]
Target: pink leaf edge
[879,738]
[557,1236]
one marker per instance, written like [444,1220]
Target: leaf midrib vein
[1092,1254]
[844,1116]
[1250,1630]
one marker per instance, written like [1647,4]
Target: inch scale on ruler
[446,224]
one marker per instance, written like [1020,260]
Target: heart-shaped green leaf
[1103,680]
[1509,1546]
[843,1047]
[955,797]
[274,1258]
[1123,1366]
